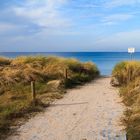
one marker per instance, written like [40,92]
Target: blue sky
[69,25]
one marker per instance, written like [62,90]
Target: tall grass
[42,69]
[16,75]
[126,71]
[128,75]
[4,61]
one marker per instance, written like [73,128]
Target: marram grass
[126,71]
[16,75]
[128,75]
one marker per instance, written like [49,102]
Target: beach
[90,112]
[69,70]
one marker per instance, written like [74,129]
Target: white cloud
[52,25]
[43,13]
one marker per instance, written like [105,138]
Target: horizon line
[69,52]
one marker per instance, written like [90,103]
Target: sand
[90,112]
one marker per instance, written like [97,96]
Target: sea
[105,61]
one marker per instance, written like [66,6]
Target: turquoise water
[104,60]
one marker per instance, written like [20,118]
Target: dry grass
[130,92]
[16,75]
[4,61]
[40,68]
[126,71]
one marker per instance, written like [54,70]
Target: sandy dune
[91,112]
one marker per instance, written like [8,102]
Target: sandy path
[91,112]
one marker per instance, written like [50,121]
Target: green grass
[130,93]
[16,75]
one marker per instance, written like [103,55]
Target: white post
[131,51]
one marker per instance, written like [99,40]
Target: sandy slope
[91,112]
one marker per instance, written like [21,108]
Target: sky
[69,25]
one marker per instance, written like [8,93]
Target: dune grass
[126,71]
[16,75]
[128,75]
[4,61]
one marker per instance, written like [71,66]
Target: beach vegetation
[4,61]
[52,76]
[128,75]
[126,71]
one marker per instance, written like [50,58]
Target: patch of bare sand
[91,112]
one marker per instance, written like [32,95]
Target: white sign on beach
[131,50]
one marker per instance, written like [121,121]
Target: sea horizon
[66,52]
[105,61]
